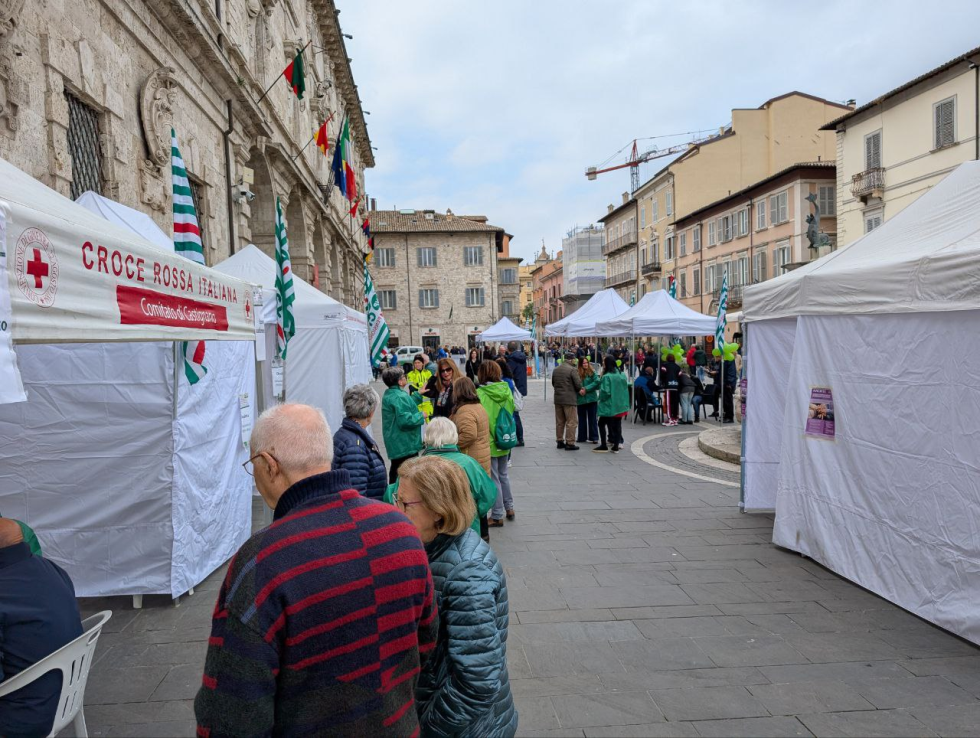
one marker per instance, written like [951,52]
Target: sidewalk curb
[722,443]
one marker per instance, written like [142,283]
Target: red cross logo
[37,268]
[248,308]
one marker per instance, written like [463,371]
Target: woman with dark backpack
[498,400]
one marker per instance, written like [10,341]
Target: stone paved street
[642,604]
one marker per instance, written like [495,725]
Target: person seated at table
[38,615]
[647,384]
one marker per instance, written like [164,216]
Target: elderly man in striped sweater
[325,616]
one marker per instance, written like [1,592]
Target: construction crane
[636,159]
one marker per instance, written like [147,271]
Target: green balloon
[715,352]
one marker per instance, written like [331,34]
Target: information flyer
[820,414]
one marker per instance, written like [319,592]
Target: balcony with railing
[627,239]
[734,297]
[653,267]
[621,278]
[869,183]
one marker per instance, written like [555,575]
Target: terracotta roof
[756,185]
[832,125]
[426,221]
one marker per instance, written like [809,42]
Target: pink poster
[820,414]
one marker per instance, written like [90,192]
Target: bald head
[10,533]
[297,436]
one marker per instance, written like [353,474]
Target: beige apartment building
[752,235]
[655,207]
[620,249]
[436,275]
[526,280]
[509,285]
[893,149]
[89,91]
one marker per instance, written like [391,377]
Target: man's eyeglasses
[249,467]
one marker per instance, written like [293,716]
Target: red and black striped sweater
[321,622]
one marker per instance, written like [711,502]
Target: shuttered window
[712,231]
[827,201]
[683,244]
[760,215]
[385,257]
[697,281]
[473,256]
[474,297]
[778,208]
[944,115]
[759,267]
[426,256]
[684,283]
[872,150]
[389,300]
[429,298]
[696,238]
[872,220]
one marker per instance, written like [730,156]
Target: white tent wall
[315,371]
[770,353]
[212,506]
[62,453]
[892,503]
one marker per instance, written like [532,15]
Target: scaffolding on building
[585,268]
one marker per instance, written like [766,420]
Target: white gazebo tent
[890,497]
[603,305]
[329,352]
[130,477]
[502,331]
[658,314]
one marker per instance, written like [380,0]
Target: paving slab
[708,703]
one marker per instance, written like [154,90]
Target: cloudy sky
[498,107]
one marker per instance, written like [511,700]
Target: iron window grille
[84,146]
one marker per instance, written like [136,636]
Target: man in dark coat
[38,615]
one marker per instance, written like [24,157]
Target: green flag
[285,297]
[377,327]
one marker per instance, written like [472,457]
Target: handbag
[518,400]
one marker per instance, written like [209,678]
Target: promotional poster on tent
[820,414]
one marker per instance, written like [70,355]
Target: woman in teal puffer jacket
[464,689]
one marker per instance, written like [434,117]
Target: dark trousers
[727,402]
[520,426]
[615,426]
[588,425]
[395,463]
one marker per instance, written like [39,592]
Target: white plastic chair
[73,660]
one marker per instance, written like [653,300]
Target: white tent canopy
[131,478]
[889,498]
[925,259]
[658,314]
[602,306]
[330,349]
[502,331]
[76,277]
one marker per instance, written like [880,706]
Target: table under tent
[130,477]
[330,350]
[862,422]
[657,314]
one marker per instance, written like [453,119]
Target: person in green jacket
[614,405]
[401,420]
[495,395]
[587,403]
[440,439]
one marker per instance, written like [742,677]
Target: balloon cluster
[728,349]
[677,351]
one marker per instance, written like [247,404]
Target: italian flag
[187,243]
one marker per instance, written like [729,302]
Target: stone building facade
[90,89]
[548,286]
[620,249]
[436,275]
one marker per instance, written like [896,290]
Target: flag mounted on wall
[322,142]
[187,243]
[295,74]
[343,164]
[672,286]
[353,208]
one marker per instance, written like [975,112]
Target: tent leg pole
[137,602]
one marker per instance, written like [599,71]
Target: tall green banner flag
[377,327]
[285,297]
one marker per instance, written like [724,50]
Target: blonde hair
[444,488]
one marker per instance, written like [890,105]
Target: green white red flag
[285,297]
[187,243]
[377,327]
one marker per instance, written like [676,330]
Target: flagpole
[315,134]
[269,88]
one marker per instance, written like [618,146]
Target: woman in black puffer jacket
[353,447]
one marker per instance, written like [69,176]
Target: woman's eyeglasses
[403,506]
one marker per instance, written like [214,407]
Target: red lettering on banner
[103,255]
[117,263]
[86,259]
[138,306]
